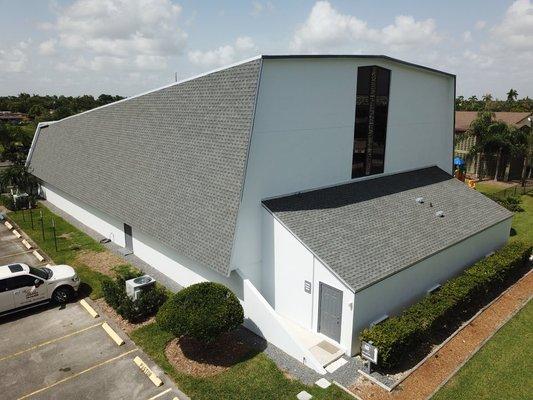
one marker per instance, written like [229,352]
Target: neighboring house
[514,165]
[13,117]
[293,180]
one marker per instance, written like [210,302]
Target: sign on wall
[369,351]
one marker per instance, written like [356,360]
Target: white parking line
[160,394]
[16,254]
[76,375]
[18,353]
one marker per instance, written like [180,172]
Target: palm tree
[512,95]
[478,128]
[498,140]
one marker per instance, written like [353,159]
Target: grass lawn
[522,221]
[255,378]
[501,369]
[70,241]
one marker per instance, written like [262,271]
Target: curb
[89,309]
[147,371]
[116,338]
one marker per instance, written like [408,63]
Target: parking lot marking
[89,309]
[116,338]
[18,353]
[68,378]
[146,369]
[16,254]
[160,394]
[38,256]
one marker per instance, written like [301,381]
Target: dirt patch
[189,356]
[67,235]
[102,261]
[439,367]
[122,323]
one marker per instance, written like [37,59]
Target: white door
[6,296]
[28,289]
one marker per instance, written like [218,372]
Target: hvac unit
[135,286]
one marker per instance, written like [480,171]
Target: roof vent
[440,214]
[420,200]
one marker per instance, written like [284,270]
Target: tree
[497,140]
[15,144]
[202,311]
[512,95]
[479,128]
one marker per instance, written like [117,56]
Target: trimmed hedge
[203,311]
[398,336]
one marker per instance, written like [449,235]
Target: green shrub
[146,305]
[512,203]
[398,336]
[7,201]
[203,311]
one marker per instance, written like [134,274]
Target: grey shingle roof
[169,163]
[367,230]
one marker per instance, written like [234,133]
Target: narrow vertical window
[370,130]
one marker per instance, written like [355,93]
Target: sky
[130,46]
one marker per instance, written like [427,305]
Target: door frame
[320,286]
[128,233]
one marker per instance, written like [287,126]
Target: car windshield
[43,273]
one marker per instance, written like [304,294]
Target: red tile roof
[463,119]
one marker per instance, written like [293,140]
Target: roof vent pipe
[420,200]
[440,214]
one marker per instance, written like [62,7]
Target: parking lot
[12,250]
[62,352]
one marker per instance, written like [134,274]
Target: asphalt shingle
[368,230]
[169,163]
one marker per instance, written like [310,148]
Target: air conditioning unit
[135,286]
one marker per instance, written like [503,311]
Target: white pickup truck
[23,287]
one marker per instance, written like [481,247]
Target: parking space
[63,353]
[12,250]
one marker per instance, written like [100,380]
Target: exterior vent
[440,214]
[420,200]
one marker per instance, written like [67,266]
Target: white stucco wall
[303,134]
[402,289]
[287,264]
[182,270]
[95,219]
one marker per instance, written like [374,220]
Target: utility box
[135,286]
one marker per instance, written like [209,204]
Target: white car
[23,287]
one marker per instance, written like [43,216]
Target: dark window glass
[363,81]
[18,282]
[372,103]
[15,267]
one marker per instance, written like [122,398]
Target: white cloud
[328,30]
[516,29]
[259,8]
[409,33]
[120,33]
[480,24]
[48,47]
[223,55]
[467,36]
[14,58]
